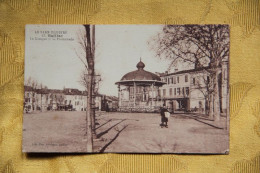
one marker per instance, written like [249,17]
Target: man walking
[164,117]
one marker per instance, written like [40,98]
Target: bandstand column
[119,96]
[134,93]
[143,93]
[157,95]
[152,93]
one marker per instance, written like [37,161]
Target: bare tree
[95,87]
[205,86]
[32,83]
[197,46]
[87,42]
[83,81]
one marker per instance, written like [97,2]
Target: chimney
[166,72]
[176,69]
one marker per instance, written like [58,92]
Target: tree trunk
[207,105]
[88,113]
[211,106]
[216,97]
[90,61]
[93,114]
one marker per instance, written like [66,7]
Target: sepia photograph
[126,89]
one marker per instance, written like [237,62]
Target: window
[208,79]
[187,91]
[175,91]
[174,80]
[178,79]
[193,80]
[178,91]
[186,78]
[164,92]
[170,91]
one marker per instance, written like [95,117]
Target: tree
[196,46]
[95,87]
[32,83]
[204,85]
[87,42]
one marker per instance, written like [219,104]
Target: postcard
[126,89]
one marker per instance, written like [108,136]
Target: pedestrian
[164,116]
[107,107]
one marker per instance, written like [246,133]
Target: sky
[52,54]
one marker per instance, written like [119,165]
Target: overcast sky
[55,63]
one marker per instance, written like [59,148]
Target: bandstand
[138,91]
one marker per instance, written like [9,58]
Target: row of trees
[197,46]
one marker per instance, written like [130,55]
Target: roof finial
[140,65]
[140,58]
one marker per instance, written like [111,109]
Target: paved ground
[124,132]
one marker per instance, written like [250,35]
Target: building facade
[189,90]
[53,99]
[68,99]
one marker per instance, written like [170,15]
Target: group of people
[165,114]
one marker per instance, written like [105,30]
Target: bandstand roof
[140,77]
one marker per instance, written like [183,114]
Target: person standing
[164,118]
[107,107]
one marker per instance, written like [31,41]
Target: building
[185,91]
[29,98]
[75,99]
[188,90]
[138,91]
[53,99]
[68,99]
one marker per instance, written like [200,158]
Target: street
[123,133]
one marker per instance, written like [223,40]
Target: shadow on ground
[113,139]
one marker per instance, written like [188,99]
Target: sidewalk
[221,124]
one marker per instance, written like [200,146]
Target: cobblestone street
[125,132]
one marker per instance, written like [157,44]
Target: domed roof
[140,74]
